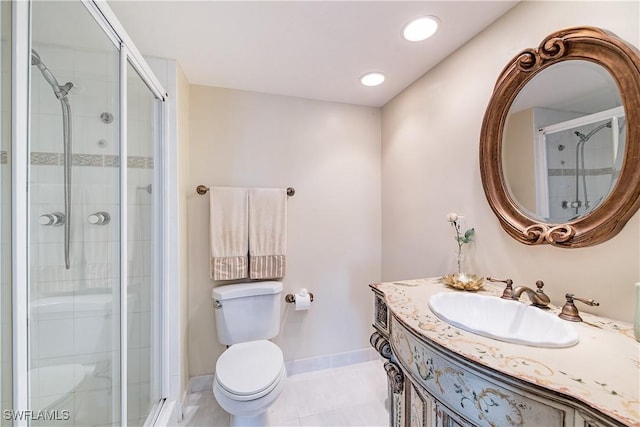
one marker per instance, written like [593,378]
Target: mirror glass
[560,137]
[564,141]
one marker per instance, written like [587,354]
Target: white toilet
[250,374]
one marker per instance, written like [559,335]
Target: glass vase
[461,263]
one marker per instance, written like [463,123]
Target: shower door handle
[55,219]
[99,218]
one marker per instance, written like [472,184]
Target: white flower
[452,216]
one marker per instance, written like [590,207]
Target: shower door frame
[542,179]
[20,135]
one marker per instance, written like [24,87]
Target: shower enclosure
[578,163]
[80,220]
[6,325]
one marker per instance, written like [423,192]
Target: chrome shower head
[66,88]
[35,58]
[60,91]
[585,138]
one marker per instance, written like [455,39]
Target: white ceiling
[310,49]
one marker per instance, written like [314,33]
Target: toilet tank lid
[237,290]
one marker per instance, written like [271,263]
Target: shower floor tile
[353,395]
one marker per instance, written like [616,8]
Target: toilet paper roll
[303,300]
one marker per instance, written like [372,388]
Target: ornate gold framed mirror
[560,140]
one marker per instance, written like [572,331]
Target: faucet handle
[570,311]
[590,302]
[508,290]
[540,285]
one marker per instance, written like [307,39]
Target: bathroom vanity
[440,375]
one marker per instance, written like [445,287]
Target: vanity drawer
[467,393]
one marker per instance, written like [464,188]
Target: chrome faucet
[538,298]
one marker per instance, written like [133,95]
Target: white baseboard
[337,360]
[200,383]
[294,367]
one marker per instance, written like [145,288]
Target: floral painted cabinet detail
[430,385]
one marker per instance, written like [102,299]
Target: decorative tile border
[111,160]
[49,159]
[87,160]
[96,160]
[587,172]
[136,162]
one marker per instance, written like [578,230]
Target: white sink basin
[504,320]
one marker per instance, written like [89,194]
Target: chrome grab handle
[55,219]
[99,218]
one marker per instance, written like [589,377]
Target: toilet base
[260,420]
[252,412]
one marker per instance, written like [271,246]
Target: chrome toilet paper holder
[291,298]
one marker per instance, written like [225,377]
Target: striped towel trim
[229,268]
[267,266]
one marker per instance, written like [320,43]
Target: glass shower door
[143,284]
[74,214]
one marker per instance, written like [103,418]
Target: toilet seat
[250,370]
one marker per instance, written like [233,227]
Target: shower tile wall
[562,171]
[85,333]
[143,301]
[561,162]
[140,306]
[562,180]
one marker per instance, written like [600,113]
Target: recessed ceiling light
[421,28]
[372,79]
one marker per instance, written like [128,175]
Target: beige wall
[371,206]
[430,167]
[518,158]
[330,154]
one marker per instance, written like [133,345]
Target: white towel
[267,233]
[229,233]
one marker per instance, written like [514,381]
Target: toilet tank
[247,311]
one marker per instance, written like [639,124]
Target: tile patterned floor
[354,395]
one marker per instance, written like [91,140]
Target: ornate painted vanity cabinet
[440,375]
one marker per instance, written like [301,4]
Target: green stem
[458,240]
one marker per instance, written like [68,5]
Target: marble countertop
[602,370]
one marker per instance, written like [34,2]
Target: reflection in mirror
[564,141]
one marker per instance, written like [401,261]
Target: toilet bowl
[250,374]
[249,378]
